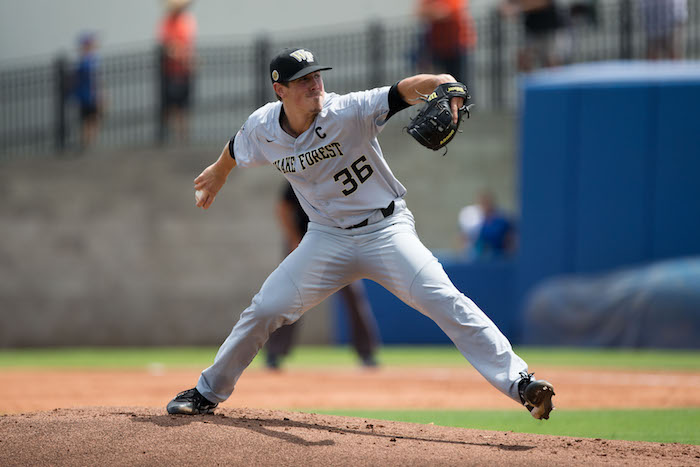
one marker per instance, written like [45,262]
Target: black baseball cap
[292,64]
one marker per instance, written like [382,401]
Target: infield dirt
[99,417]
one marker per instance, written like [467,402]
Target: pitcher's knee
[438,299]
[434,295]
[272,311]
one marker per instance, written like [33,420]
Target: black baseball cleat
[368,361]
[191,402]
[536,396]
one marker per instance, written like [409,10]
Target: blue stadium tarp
[654,306]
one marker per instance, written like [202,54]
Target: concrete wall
[108,248]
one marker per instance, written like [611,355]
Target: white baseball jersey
[337,172]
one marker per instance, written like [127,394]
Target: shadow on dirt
[269,426]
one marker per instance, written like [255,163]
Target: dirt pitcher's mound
[139,436]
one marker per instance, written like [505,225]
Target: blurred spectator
[486,231]
[449,37]
[582,17]
[546,42]
[365,335]
[86,89]
[665,28]
[584,12]
[176,33]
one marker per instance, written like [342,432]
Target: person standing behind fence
[363,326]
[665,28]
[176,33]
[545,42]
[449,36]
[86,89]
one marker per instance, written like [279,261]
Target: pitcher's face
[306,93]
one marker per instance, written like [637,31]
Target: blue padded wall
[610,168]
[676,197]
[548,230]
[612,177]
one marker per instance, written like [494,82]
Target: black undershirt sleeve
[230,147]
[396,102]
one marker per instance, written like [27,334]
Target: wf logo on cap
[302,54]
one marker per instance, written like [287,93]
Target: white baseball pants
[388,252]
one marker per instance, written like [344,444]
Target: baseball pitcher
[326,146]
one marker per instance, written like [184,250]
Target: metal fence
[38,116]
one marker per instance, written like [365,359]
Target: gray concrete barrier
[109,249]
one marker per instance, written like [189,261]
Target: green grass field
[661,426]
[308,357]
[677,425]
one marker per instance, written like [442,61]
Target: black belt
[386,212]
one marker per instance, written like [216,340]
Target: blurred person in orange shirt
[449,37]
[176,34]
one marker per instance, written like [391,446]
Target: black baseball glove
[433,127]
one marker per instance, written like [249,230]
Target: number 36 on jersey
[359,171]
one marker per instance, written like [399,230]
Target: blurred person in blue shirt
[86,89]
[486,231]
